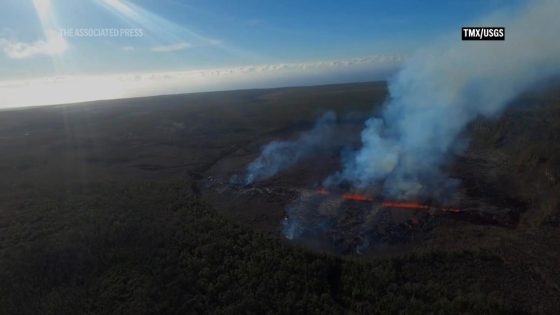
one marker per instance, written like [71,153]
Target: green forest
[155,248]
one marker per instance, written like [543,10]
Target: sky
[61,51]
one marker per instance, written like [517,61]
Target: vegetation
[154,248]
[143,243]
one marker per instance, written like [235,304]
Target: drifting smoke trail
[280,155]
[441,90]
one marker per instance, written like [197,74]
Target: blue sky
[183,35]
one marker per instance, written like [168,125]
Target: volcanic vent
[293,202]
[403,175]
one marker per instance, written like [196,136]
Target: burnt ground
[331,223]
[509,196]
[510,175]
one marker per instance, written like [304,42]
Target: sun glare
[121,7]
[45,13]
[54,44]
[42,6]
[164,31]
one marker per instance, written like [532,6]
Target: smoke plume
[280,155]
[443,88]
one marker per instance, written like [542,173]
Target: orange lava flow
[356,197]
[417,206]
[405,205]
[454,210]
[389,204]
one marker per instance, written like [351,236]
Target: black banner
[483,33]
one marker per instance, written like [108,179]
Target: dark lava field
[100,208]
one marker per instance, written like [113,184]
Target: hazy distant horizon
[70,89]
[196,92]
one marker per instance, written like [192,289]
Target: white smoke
[440,90]
[280,155]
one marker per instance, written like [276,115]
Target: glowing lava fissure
[417,206]
[404,205]
[389,204]
[356,197]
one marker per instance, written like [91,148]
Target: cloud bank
[53,44]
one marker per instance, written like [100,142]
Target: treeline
[154,248]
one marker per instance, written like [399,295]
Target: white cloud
[54,44]
[171,48]
[128,48]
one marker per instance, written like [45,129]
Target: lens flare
[120,7]
[43,7]
[164,31]
[54,44]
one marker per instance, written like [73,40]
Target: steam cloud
[279,155]
[440,90]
